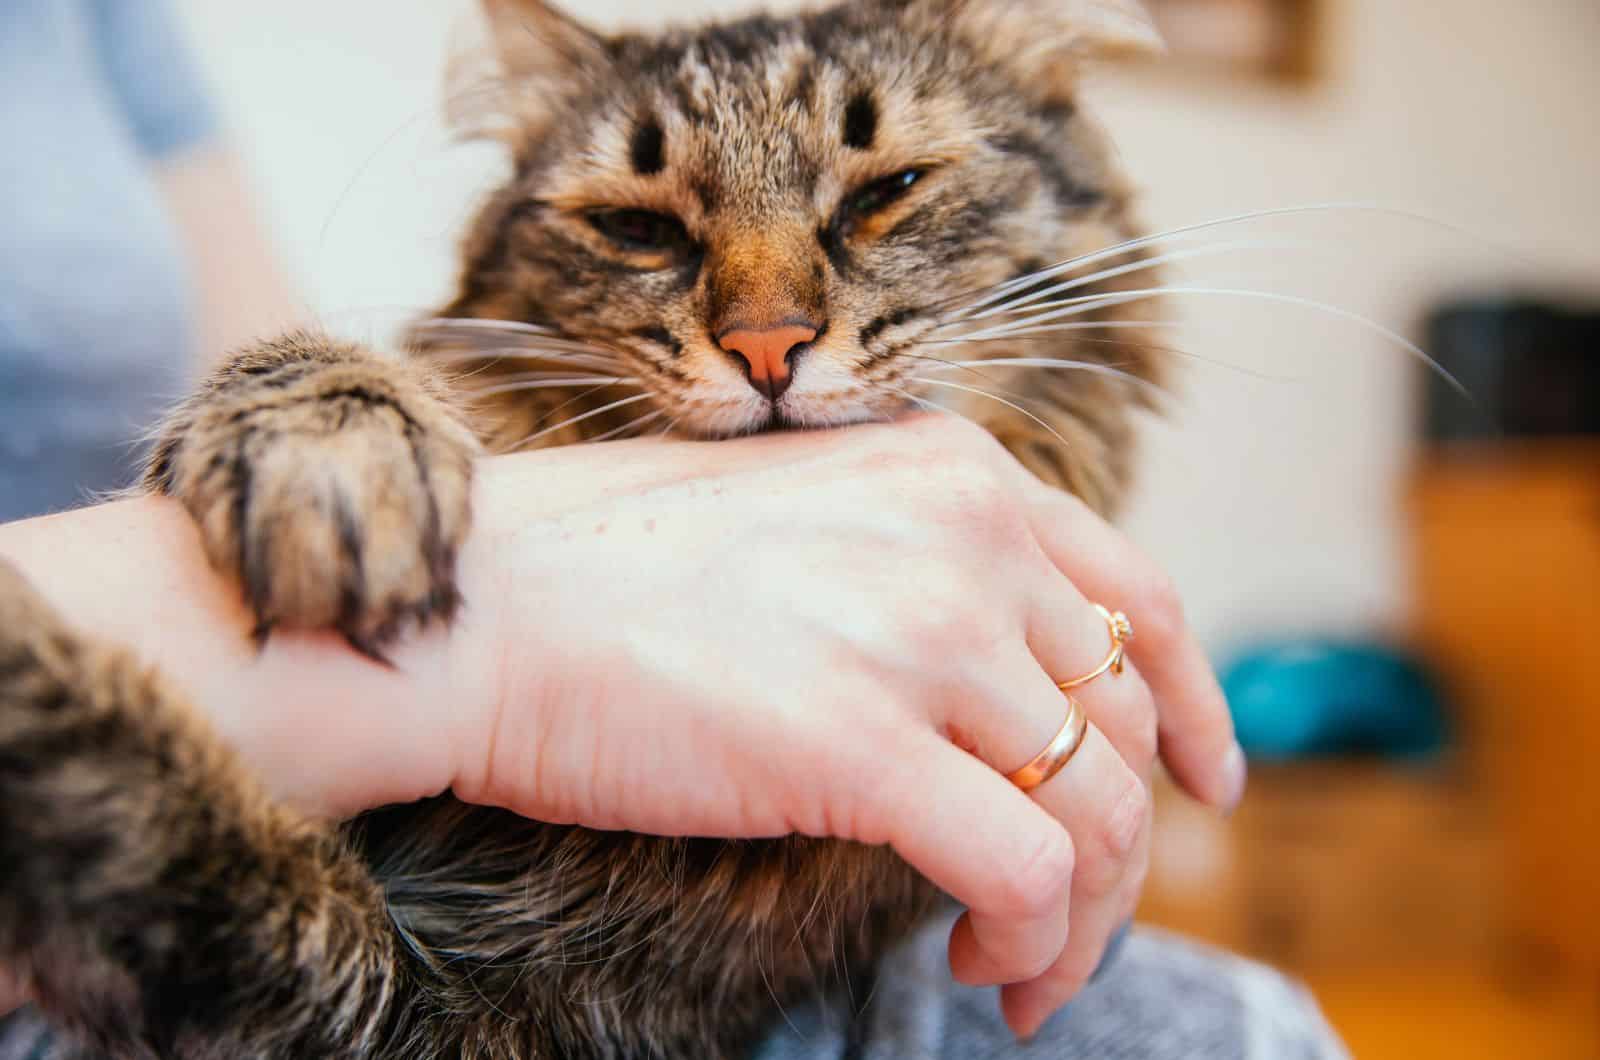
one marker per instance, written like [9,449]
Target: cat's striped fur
[667,189]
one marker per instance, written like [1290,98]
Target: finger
[1101,802]
[1070,639]
[971,832]
[1026,1006]
[1196,731]
[1112,843]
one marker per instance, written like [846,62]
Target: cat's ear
[534,41]
[1044,42]
[535,57]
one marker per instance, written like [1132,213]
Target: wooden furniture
[1453,910]
[1506,555]
[1383,890]
[1332,867]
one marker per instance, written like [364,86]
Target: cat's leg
[159,905]
[332,481]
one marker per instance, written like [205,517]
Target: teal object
[1306,698]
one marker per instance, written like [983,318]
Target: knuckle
[1126,823]
[1133,888]
[1070,975]
[1156,607]
[1143,733]
[1039,967]
[982,510]
[935,606]
[1040,884]
[1116,839]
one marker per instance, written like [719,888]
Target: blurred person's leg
[1156,997]
[23,1036]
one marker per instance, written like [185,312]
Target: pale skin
[241,293]
[851,633]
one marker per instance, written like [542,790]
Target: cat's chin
[780,423]
[807,417]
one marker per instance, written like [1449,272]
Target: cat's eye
[881,193]
[640,230]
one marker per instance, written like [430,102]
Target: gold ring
[1121,632]
[1052,759]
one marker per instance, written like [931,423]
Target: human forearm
[243,294]
[132,573]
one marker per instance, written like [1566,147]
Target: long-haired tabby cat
[760,224]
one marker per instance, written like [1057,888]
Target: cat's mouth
[798,411]
[793,412]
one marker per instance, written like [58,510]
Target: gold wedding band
[1059,752]
[1052,759]
[1121,632]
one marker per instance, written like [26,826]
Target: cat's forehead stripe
[860,121]
[646,149]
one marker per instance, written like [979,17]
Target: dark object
[1296,699]
[1532,368]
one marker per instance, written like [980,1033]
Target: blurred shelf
[1506,561]
[1453,1012]
[1335,866]
[1380,887]
[1447,911]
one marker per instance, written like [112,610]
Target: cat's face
[771,221]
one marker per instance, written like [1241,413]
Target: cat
[758,224]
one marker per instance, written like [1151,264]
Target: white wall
[1272,501]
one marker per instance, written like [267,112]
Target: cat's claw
[332,483]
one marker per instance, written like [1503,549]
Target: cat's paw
[333,483]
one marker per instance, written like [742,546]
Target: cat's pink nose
[769,353]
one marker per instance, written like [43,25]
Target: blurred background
[1402,587]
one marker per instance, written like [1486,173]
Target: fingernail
[1028,1024]
[1235,774]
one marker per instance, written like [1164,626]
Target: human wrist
[322,727]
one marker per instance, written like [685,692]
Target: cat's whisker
[1086,304]
[501,347]
[517,385]
[545,432]
[633,424]
[563,364]
[562,372]
[920,401]
[1002,290]
[507,336]
[1028,297]
[484,324]
[524,351]
[1091,367]
[986,335]
[942,361]
[508,345]
[994,397]
[1046,312]
[1175,351]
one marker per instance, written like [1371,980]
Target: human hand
[852,634]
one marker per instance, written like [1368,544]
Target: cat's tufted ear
[534,41]
[1043,42]
[536,57]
